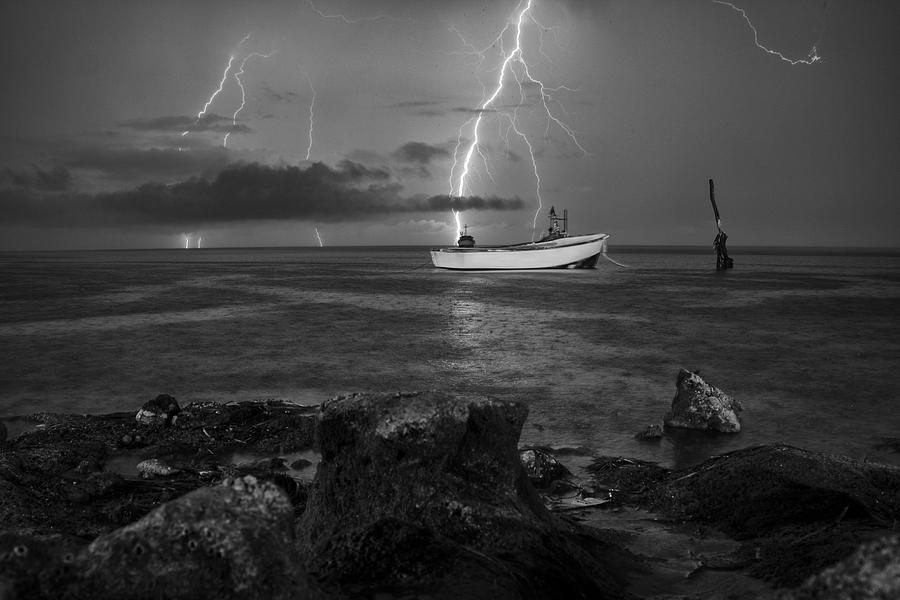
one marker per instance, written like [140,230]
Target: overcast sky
[644,102]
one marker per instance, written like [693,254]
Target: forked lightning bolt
[512,59]
[811,58]
[237,77]
[221,85]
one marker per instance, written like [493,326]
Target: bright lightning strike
[459,228]
[312,105]
[237,78]
[811,58]
[513,63]
[319,237]
[221,85]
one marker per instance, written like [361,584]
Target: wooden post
[723,261]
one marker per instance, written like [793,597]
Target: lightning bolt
[811,58]
[312,105]
[199,239]
[513,63]
[459,228]
[221,85]
[319,237]
[237,78]
[187,240]
[350,21]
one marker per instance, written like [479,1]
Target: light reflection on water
[808,344]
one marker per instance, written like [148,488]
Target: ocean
[807,341]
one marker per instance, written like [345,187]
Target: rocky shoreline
[419,494]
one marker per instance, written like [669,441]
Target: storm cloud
[348,191]
[56,179]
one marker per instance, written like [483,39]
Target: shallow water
[808,343]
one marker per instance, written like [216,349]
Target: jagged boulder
[424,492]
[234,540]
[698,405]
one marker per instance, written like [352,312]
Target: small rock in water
[652,433]
[542,467]
[153,467]
[162,408]
[698,405]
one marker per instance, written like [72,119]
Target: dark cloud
[207,123]
[472,111]
[128,163]
[414,158]
[241,192]
[419,153]
[57,179]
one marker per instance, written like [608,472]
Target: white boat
[556,250]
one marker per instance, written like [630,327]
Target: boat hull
[569,252]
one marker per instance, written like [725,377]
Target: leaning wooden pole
[723,261]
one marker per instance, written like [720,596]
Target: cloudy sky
[358,116]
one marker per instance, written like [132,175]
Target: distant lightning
[522,76]
[221,85]
[350,21]
[187,240]
[319,237]
[312,104]
[811,58]
[237,78]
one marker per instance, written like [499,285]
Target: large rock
[234,540]
[425,493]
[872,572]
[698,405]
[802,510]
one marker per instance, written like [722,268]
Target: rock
[161,409]
[698,405]
[423,493]
[230,541]
[3,435]
[652,433]
[804,510]
[30,563]
[153,467]
[751,491]
[542,467]
[873,571]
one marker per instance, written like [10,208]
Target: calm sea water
[808,343]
